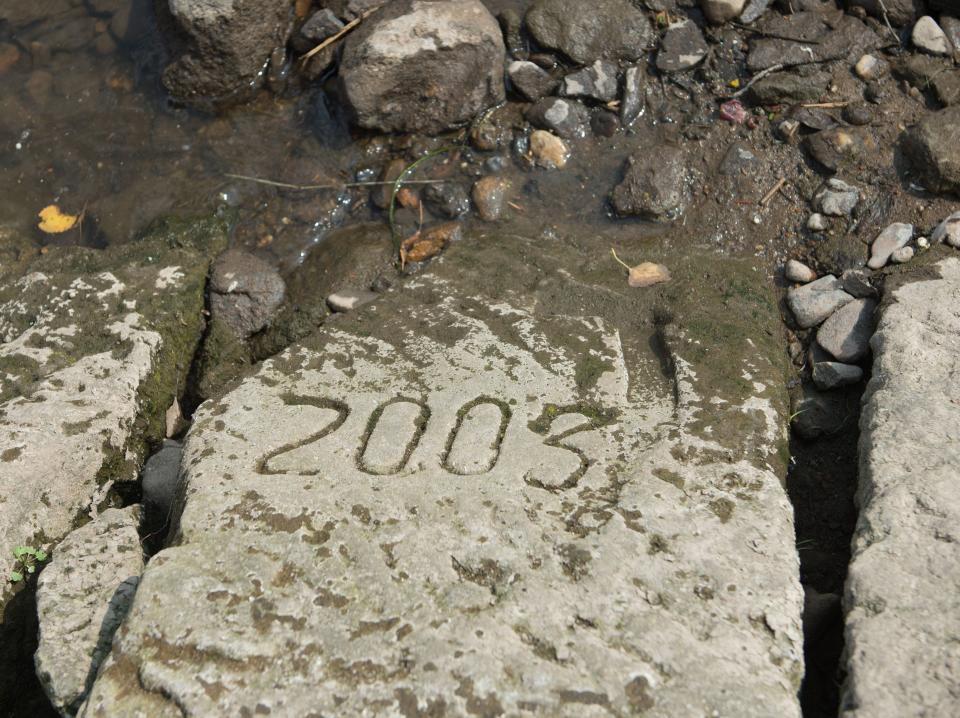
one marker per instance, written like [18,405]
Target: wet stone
[530,80]
[489,195]
[547,150]
[654,185]
[597,81]
[566,118]
[633,100]
[484,496]
[448,200]
[682,47]
[905,571]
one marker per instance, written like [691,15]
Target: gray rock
[905,572]
[321,25]
[598,81]
[789,88]
[814,302]
[426,67]
[902,255]
[859,115]
[948,231]
[530,80]
[82,596]
[682,47]
[462,504]
[489,195]
[754,9]
[548,150]
[930,37]
[840,148]
[655,185]
[817,222]
[245,291]
[892,238]
[934,148]
[738,160]
[846,333]
[840,251]
[951,26]
[159,481]
[841,38]
[567,118]
[869,67]
[798,272]
[220,47]
[720,11]
[936,73]
[633,101]
[837,198]
[610,29]
[857,283]
[348,299]
[94,346]
[830,375]
[900,12]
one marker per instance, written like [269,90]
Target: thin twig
[825,105]
[343,185]
[619,261]
[769,195]
[759,76]
[333,38]
[774,35]
[886,19]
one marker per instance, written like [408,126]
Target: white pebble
[817,222]
[904,254]
[798,272]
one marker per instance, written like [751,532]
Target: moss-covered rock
[94,346]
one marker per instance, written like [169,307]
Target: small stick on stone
[825,104]
[769,195]
[759,76]
[333,38]
[774,35]
[342,185]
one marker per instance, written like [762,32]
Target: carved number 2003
[473,445]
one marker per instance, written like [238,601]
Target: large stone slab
[507,488]
[903,620]
[94,345]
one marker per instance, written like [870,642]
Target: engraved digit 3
[381,449]
[343,411]
[594,418]
[474,444]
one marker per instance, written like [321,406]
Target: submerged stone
[487,499]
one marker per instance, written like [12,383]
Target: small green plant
[27,559]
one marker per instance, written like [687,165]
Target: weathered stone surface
[598,81]
[814,302]
[682,47]
[655,185]
[530,80]
[837,198]
[798,272]
[220,47]
[905,574]
[934,73]
[81,598]
[490,500]
[928,36]
[846,333]
[789,88]
[839,147]
[948,231]
[245,291]
[934,148]
[94,345]
[900,12]
[844,37]
[423,65]
[831,374]
[611,29]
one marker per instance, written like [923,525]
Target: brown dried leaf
[422,246]
[174,418]
[648,273]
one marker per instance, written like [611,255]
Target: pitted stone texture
[423,65]
[93,346]
[81,598]
[904,579]
[482,500]
[245,291]
[610,29]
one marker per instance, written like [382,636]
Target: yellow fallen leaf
[54,221]
[645,273]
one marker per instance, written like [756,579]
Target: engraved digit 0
[474,444]
[382,451]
